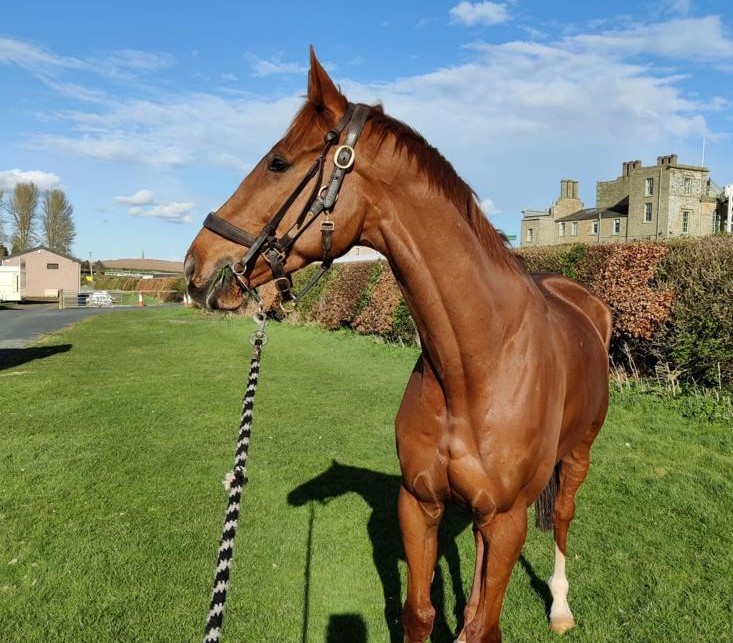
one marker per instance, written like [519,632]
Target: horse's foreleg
[419,523]
[572,473]
[503,538]
[470,611]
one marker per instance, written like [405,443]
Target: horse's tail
[545,504]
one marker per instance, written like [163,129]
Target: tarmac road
[20,324]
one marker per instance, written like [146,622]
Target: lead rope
[235,482]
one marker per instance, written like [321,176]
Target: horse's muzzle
[221,291]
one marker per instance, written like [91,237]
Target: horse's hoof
[560,626]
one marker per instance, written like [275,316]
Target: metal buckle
[259,336]
[288,306]
[347,164]
[283,285]
[236,271]
[274,254]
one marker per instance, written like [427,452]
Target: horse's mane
[438,171]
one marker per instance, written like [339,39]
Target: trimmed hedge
[672,302]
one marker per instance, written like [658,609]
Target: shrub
[698,337]
[339,304]
[403,328]
[626,282]
[377,318]
[306,306]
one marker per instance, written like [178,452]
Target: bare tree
[57,222]
[2,220]
[22,208]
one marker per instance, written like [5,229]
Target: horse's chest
[481,469]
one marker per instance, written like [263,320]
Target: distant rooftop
[596,213]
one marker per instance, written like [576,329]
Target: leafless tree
[22,208]
[2,220]
[57,222]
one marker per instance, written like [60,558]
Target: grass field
[115,436]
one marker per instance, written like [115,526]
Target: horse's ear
[321,89]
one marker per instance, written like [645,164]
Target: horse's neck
[465,303]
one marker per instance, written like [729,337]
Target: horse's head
[335,481]
[283,216]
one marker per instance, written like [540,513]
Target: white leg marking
[561,618]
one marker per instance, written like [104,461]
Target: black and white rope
[235,481]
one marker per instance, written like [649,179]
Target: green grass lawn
[116,433]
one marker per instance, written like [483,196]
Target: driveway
[21,324]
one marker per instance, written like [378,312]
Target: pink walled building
[44,272]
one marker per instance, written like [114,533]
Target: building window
[617,226]
[647,213]
[562,229]
[52,266]
[685,221]
[688,186]
[574,228]
[649,187]
[594,227]
[530,235]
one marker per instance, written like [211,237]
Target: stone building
[646,202]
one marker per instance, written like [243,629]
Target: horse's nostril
[189,267]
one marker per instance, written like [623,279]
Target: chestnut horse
[513,375]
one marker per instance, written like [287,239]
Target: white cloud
[261,67]
[44,180]
[701,39]
[173,212]
[487,205]
[143,204]
[681,7]
[141,197]
[133,59]
[198,129]
[479,13]
[30,56]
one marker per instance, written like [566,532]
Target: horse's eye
[278,164]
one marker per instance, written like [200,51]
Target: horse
[511,386]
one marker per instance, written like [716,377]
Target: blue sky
[149,114]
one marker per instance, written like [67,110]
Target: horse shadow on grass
[380,491]
[12,357]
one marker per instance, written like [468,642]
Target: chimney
[575,189]
[625,169]
[563,188]
[673,159]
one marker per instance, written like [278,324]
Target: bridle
[322,200]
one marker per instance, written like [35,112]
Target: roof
[531,214]
[595,213]
[144,265]
[53,252]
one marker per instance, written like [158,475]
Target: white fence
[111,298]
